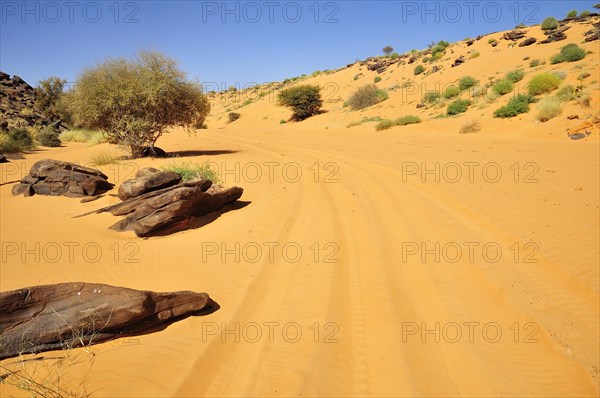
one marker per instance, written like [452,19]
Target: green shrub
[366,96]
[192,171]
[585,13]
[534,63]
[377,79]
[356,77]
[566,93]
[384,125]
[431,96]
[466,82]
[305,100]
[549,23]
[515,75]
[104,158]
[135,102]
[548,108]
[426,59]
[572,14]
[562,75]
[408,119]
[543,83]
[458,106]
[233,116]
[17,140]
[48,136]
[436,57]
[474,54]
[451,92]
[282,121]
[517,105]
[82,135]
[569,53]
[502,87]
[419,69]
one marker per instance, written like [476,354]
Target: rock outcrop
[55,178]
[147,180]
[17,99]
[67,315]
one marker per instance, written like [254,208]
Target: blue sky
[222,43]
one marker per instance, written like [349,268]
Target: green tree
[48,94]
[387,50]
[135,101]
[572,14]
[305,100]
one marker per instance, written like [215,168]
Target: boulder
[66,315]
[459,61]
[514,35]
[55,178]
[527,42]
[147,180]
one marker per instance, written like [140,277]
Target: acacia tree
[135,101]
[48,94]
[387,50]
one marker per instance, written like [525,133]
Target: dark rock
[55,177]
[3,158]
[573,117]
[494,43]
[514,35]
[577,136]
[459,61]
[419,106]
[527,42]
[435,69]
[52,317]
[148,180]
[153,152]
[470,42]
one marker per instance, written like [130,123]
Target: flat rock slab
[66,315]
[56,178]
[147,180]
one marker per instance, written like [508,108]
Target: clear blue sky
[240,42]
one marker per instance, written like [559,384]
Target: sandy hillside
[415,261]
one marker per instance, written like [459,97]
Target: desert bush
[408,119]
[305,100]
[585,13]
[377,79]
[366,96]
[436,57]
[543,83]
[458,106]
[384,125]
[548,108]
[16,140]
[282,121]
[534,63]
[419,69]
[470,127]
[233,116]
[562,75]
[569,53]
[502,86]
[474,54]
[549,23]
[583,76]
[426,59]
[517,105]
[93,137]
[135,102]
[466,82]
[191,171]
[431,96]
[566,93]
[451,92]
[572,14]
[48,136]
[515,76]
[387,50]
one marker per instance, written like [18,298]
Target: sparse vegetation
[543,83]
[548,108]
[48,136]
[48,95]
[419,69]
[135,102]
[470,127]
[403,121]
[535,62]
[104,158]
[451,92]
[191,171]
[517,105]
[364,120]
[458,106]
[233,116]
[387,50]
[502,87]
[467,82]
[305,100]
[16,140]
[572,14]
[366,96]
[549,23]
[569,53]
[431,96]
[377,79]
[81,135]
[566,93]
[515,76]
[585,13]
[474,54]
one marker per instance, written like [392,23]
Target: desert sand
[362,264]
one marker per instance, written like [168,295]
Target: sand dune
[357,268]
